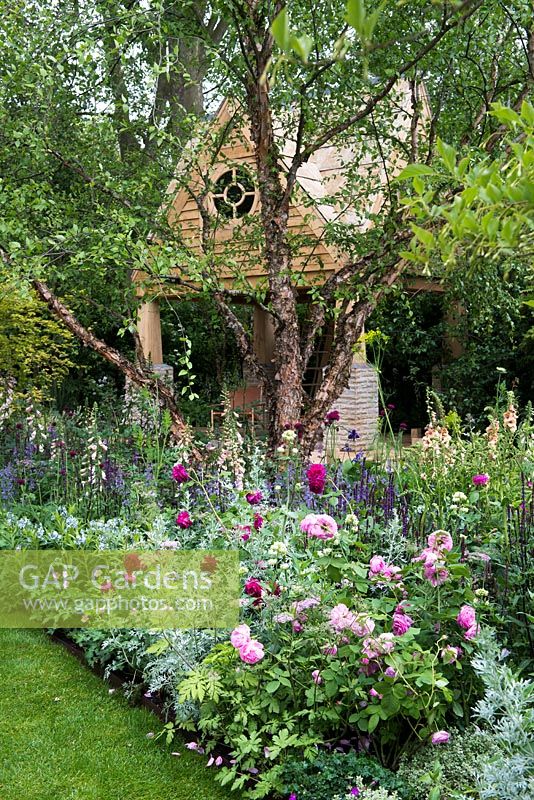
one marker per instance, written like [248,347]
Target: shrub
[333,773]
[459,762]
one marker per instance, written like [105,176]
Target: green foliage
[331,773]
[35,349]
[460,760]
[506,713]
[489,208]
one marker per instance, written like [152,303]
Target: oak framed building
[213,207]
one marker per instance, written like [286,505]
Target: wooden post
[149,326]
[263,336]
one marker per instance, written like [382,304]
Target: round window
[234,193]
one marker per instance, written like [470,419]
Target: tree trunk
[286,397]
[136,374]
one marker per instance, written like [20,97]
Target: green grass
[64,737]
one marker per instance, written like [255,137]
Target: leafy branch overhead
[475,206]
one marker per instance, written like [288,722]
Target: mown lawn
[64,737]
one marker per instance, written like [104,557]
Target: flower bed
[365,586]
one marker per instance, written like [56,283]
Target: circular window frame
[217,174]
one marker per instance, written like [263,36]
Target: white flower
[289,437]
[352,521]
[459,497]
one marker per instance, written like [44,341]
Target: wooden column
[263,336]
[149,326]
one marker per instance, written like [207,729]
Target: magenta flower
[374,693]
[481,480]
[258,521]
[389,672]
[253,588]
[254,497]
[330,650]
[316,474]
[183,520]
[355,792]
[292,796]
[332,416]
[319,526]
[440,737]
[180,474]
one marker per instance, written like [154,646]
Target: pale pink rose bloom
[240,636]
[386,643]
[341,618]
[467,617]
[251,652]
[440,737]
[169,544]
[316,675]
[319,526]
[330,650]
[440,540]
[283,617]
[362,625]
[377,565]
[472,632]
[450,654]
[436,575]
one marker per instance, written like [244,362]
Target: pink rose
[341,618]
[440,737]
[436,575]
[240,636]
[401,623]
[376,565]
[440,540]
[251,652]
[467,617]
[472,632]
[362,625]
[319,526]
